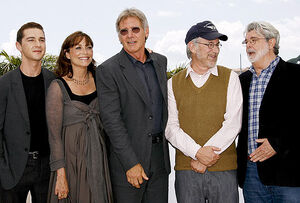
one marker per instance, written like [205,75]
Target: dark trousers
[35,179]
[155,190]
[210,187]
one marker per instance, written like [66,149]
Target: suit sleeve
[3,103]
[111,116]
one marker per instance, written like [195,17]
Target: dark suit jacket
[279,117]
[125,113]
[14,126]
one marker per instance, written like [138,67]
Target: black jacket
[279,117]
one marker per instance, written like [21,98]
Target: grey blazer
[14,126]
[125,113]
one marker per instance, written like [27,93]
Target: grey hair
[132,12]
[267,30]
[188,51]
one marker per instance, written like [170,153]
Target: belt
[157,138]
[34,155]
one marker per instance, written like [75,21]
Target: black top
[35,98]
[82,98]
[147,74]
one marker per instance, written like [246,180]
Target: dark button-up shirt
[147,75]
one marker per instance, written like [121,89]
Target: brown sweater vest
[201,114]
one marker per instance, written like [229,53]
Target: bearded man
[269,139]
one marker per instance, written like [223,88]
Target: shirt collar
[133,60]
[270,68]
[213,70]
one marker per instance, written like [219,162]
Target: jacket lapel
[19,93]
[132,77]
[48,77]
[161,77]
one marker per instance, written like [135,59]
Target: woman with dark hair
[78,161]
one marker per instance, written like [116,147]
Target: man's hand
[207,156]
[263,152]
[197,166]
[135,176]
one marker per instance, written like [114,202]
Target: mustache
[250,51]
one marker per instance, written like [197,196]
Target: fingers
[136,176]
[216,148]
[197,166]
[207,156]
[263,152]
[144,175]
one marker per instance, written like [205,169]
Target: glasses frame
[125,31]
[252,40]
[211,45]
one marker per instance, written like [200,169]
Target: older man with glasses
[205,111]
[132,88]
[268,146]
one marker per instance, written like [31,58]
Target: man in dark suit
[24,148]
[132,90]
[268,142]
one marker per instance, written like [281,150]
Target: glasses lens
[136,30]
[124,32]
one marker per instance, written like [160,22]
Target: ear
[192,47]
[147,33]
[272,43]
[19,46]
[67,54]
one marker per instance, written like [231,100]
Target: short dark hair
[64,66]
[20,33]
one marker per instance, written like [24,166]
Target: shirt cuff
[193,151]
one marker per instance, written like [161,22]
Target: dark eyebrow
[34,38]
[30,38]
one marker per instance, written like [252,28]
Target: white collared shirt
[232,118]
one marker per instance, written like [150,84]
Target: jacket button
[149,134]
[150,117]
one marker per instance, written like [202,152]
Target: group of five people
[108,127]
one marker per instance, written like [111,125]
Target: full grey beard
[258,54]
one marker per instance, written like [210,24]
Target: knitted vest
[201,114]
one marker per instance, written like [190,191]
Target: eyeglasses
[134,30]
[211,45]
[252,40]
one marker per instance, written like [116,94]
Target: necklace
[81,82]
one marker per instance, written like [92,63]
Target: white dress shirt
[232,118]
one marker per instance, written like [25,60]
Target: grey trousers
[210,187]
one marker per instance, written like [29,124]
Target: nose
[38,43]
[216,49]
[130,33]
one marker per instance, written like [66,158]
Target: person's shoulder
[9,75]
[112,61]
[292,66]
[158,56]
[49,73]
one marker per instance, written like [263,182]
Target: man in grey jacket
[132,90]
[24,148]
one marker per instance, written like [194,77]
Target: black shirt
[35,97]
[147,74]
[82,98]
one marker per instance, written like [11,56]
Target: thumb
[145,177]
[216,148]
[260,140]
